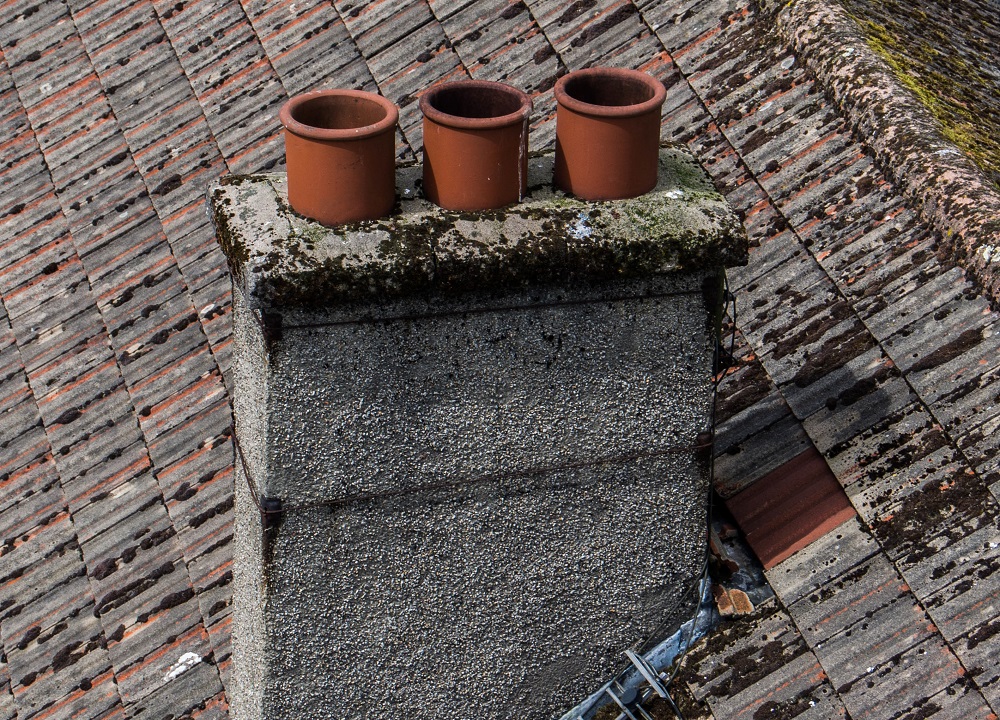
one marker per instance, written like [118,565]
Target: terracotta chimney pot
[475,144]
[340,155]
[607,133]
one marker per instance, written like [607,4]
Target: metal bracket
[647,671]
[624,700]
[271,514]
[653,678]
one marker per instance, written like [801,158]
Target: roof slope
[859,337]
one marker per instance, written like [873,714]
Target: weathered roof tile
[178,696]
[758,664]
[828,557]
[892,623]
[295,34]
[149,653]
[48,675]
[903,681]
[198,444]
[832,428]
[112,475]
[51,581]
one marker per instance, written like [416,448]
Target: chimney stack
[467,469]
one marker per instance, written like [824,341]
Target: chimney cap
[284,260]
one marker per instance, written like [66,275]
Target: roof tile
[232,79]
[877,271]
[199,444]
[51,580]
[149,653]
[295,34]
[831,428]
[190,402]
[890,626]
[115,520]
[842,601]
[832,555]
[177,697]
[483,28]
[172,335]
[980,447]
[47,676]
[31,497]
[23,447]
[111,475]
[678,23]
[842,378]
[759,663]
[902,682]
[981,654]
[967,605]
[740,464]
[790,507]
[42,324]
[957,702]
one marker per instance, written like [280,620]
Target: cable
[460,483]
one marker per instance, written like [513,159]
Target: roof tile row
[842,377]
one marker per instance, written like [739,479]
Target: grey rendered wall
[509,512]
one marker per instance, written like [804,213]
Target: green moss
[938,57]
[233,248]
[548,240]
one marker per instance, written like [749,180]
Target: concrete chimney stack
[467,479]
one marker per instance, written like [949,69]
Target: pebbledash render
[473,436]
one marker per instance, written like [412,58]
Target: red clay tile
[790,507]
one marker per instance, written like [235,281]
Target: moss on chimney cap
[285,260]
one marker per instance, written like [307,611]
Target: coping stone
[282,259]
